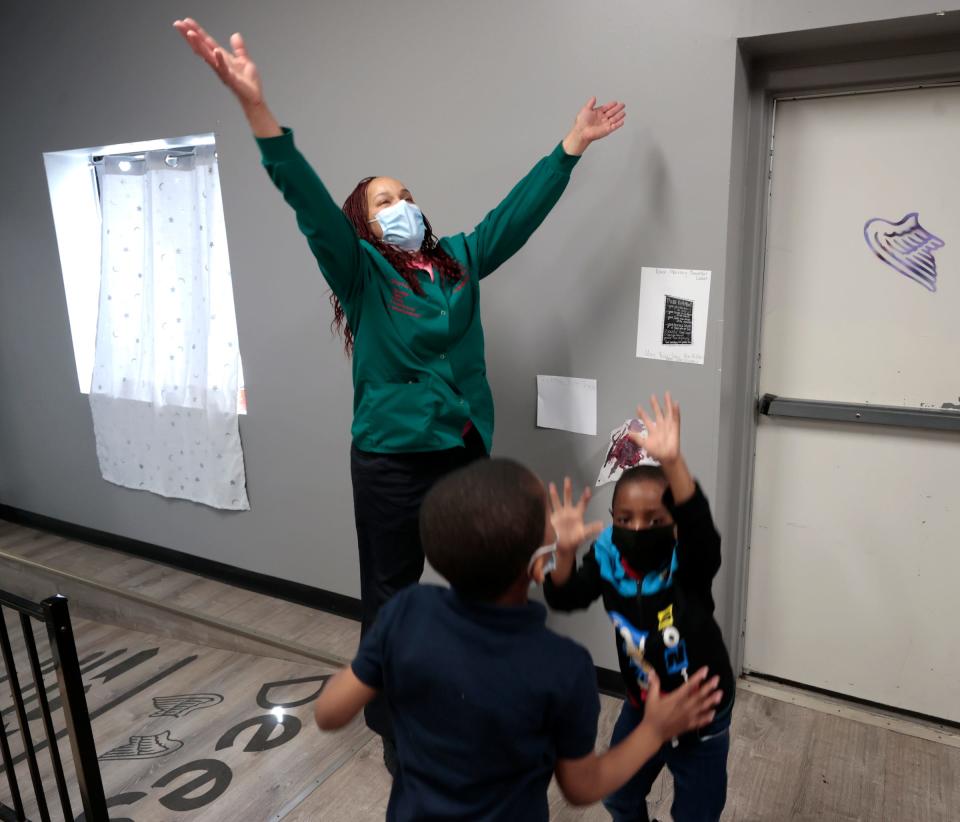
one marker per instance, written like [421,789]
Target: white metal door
[854,573]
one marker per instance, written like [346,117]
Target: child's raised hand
[662,441]
[689,707]
[567,518]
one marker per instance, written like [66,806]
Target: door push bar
[938,419]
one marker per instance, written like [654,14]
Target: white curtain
[166,375]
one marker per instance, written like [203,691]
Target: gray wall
[457,99]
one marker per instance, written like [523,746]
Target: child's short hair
[481,524]
[638,473]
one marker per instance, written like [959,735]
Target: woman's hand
[593,123]
[237,71]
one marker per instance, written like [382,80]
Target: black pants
[387,492]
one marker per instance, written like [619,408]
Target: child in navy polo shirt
[654,569]
[487,702]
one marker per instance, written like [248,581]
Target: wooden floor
[167,714]
[787,762]
[229,606]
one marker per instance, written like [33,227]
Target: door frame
[768,69]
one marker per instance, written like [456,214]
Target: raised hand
[593,122]
[235,68]
[567,518]
[662,441]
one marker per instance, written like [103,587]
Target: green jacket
[418,365]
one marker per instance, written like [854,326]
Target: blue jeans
[698,765]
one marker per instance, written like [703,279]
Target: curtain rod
[97,159]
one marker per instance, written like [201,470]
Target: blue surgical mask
[402,225]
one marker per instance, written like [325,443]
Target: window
[74,181]
[146,272]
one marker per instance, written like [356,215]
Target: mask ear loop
[550,564]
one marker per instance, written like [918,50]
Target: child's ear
[538,574]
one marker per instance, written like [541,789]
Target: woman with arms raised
[408,306]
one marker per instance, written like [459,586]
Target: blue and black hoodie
[670,610]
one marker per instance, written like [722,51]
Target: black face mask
[647,550]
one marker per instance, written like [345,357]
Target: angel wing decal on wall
[905,246]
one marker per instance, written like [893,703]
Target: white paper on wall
[672,321]
[567,403]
